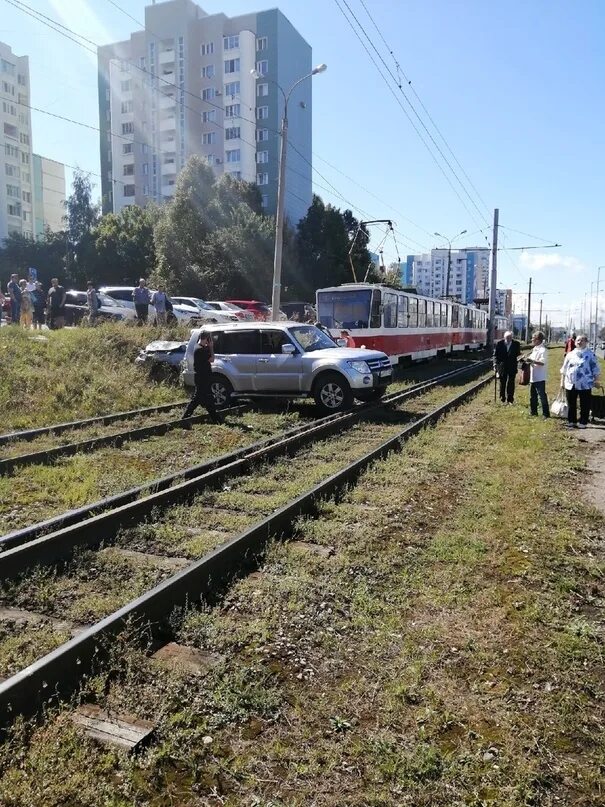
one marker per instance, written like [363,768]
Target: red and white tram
[405,326]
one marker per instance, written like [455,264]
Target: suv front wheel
[221,390]
[332,393]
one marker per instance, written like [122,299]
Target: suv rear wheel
[332,393]
[221,390]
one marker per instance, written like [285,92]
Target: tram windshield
[344,309]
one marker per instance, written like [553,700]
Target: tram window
[430,319]
[389,310]
[376,317]
[422,313]
[344,309]
[455,316]
[413,312]
[402,312]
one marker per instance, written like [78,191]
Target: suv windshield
[311,338]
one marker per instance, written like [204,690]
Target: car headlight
[360,366]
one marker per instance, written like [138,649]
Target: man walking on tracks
[203,356]
[506,355]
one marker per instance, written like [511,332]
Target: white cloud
[536,261]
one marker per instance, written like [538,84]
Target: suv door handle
[264,361]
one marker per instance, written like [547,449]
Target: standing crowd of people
[579,374]
[30,306]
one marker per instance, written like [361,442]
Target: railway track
[165,543]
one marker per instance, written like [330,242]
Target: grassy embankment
[443,648]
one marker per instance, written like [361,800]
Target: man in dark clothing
[203,356]
[56,305]
[14,293]
[506,355]
[141,298]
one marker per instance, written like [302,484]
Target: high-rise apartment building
[468,273]
[504,302]
[49,195]
[16,191]
[184,86]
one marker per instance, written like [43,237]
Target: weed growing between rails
[431,640]
[55,376]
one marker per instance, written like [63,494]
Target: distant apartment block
[469,273]
[49,195]
[183,86]
[504,302]
[16,190]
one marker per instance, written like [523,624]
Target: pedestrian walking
[579,374]
[14,292]
[537,361]
[39,301]
[56,305]
[92,301]
[506,357]
[160,301]
[27,306]
[141,298]
[203,356]
[570,342]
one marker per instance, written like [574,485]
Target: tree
[124,245]
[81,218]
[45,254]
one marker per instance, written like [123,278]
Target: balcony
[167,57]
[168,146]
[168,125]
[169,168]
[167,102]
[165,79]
[168,190]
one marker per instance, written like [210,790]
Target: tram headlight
[359,366]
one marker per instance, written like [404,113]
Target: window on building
[129,170]
[24,158]
[146,169]
[264,200]
[14,210]
[127,106]
[128,128]
[232,133]
[125,86]
[262,135]
[22,80]
[233,155]
[8,67]
[262,90]
[232,111]
[125,67]
[12,170]
[142,62]
[208,71]
[129,190]
[208,94]
[262,112]
[26,196]
[235,174]
[231,42]
[232,88]
[209,117]
[9,109]
[262,67]
[8,88]
[231,65]
[261,43]
[11,131]
[127,148]
[208,138]
[11,151]
[262,178]
[262,156]
[207,48]
[26,216]
[144,148]
[13,191]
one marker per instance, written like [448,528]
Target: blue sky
[516,88]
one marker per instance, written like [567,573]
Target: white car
[240,313]
[184,314]
[207,312]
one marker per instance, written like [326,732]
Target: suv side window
[272,341]
[243,342]
[121,294]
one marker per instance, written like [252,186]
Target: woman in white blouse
[579,375]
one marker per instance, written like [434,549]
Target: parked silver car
[289,360]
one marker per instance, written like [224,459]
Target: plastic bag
[559,405]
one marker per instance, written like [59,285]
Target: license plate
[385,373]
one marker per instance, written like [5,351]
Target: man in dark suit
[506,355]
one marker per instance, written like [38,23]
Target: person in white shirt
[537,360]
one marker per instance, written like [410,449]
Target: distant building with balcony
[49,195]
[468,273]
[184,86]
[504,302]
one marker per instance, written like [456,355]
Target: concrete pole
[540,325]
[527,325]
[279,219]
[491,318]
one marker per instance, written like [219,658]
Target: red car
[260,310]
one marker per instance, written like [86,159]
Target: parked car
[260,310]
[76,308]
[302,312]
[289,360]
[184,314]
[206,312]
[240,313]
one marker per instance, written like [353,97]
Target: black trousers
[142,310]
[202,396]
[572,405]
[537,389]
[507,382]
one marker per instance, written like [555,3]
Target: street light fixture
[449,259]
[281,185]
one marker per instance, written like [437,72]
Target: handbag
[597,405]
[559,405]
[523,374]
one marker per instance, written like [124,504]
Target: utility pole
[491,316]
[540,325]
[596,307]
[528,312]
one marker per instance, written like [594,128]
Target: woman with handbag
[579,375]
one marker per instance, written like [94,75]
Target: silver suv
[289,360]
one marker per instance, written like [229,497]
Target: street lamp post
[596,307]
[281,188]
[449,259]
